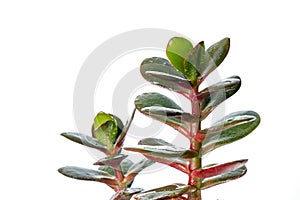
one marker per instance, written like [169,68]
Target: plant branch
[195,163]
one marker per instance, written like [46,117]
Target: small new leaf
[113,161]
[177,49]
[214,57]
[106,129]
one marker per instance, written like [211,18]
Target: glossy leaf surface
[212,96]
[163,151]
[165,110]
[160,72]
[180,164]
[84,140]
[176,50]
[126,194]
[106,129]
[136,168]
[166,192]
[113,161]
[88,174]
[229,129]
[219,169]
[125,165]
[214,57]
[224,178]
[154,142]
[193,61]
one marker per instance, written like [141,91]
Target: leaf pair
[189,65]
[161,151]
[108,134]
[194,62]
[174,191]
[106,171]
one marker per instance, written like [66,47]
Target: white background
[43,45]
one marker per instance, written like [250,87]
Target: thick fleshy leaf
[125,165]
[180,164]
[177,49]
[107,169]
[216,180]
[160,72]
[120,140]
[212,96]
[137,168]
[229,129]
[154,142]
[166,192]
[126,194]
[214,57]
[113,161]
[85,140]
[88,175]
[219,169]
[192,62]
[165,110]
[106,129]
[164,151]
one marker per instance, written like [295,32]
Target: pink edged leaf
[126,194]
[88,175]
[219,169]
[224,178]
[113,161]
[167,192]
[214,95]
[85,140]
[165,110]
[159,71]
[231,128]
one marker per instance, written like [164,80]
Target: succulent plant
[186,69]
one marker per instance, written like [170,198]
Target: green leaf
[107,169]
[164,151]
[224,178]
[126,194]
[154,142]
[136,168]
[180,164]
[214,57]
[85,140]
[219,169]
[214,95]
[125,165]
[166,192]
[165,110]
[229,129]
[176,50]
[160,72]
[88,175]
[106,129]
[113,161]
[192,62]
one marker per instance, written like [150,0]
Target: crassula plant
[186,69]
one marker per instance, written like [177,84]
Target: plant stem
[120,177]
[195,163]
